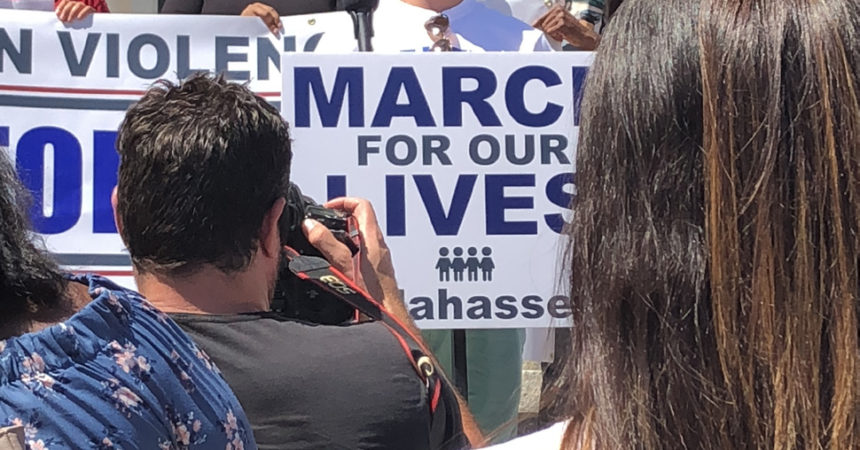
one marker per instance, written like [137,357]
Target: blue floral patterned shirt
[117,374]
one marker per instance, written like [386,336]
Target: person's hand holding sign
[266,13]
[72,10]
[559,24]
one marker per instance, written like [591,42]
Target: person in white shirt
[529,11]
[575,22]
[399,26]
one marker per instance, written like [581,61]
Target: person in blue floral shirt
[87,364]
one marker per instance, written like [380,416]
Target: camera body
[300,299]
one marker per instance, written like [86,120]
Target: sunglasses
[437,27]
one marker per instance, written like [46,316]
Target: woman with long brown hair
[715,245]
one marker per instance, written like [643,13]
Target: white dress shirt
[399,27]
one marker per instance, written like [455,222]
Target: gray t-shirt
[306,386]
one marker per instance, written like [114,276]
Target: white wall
[133,6]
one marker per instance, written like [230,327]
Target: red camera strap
[320,272]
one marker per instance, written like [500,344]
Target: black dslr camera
[297,298]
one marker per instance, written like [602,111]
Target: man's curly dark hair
[201,162]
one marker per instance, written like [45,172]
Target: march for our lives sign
[467,158]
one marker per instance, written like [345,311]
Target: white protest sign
[64,90]
[468,159]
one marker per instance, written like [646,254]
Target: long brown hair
[30,280]
[716,238]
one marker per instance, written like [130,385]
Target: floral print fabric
[117,374]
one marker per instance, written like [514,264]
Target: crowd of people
[713,255]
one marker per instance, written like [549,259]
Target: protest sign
[484,165]
[468,159]
[64,90]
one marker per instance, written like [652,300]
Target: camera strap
[320,272]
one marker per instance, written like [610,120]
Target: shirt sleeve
[548,44]
[537,41]
[100,6]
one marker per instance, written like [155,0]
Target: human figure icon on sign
[444,265]
[458,264]
[487,264]
[472,264]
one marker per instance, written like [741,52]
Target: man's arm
[376,274]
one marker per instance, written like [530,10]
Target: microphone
[361,12]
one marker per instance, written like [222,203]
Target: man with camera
[204,172]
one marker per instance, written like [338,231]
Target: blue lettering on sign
[78,67]
[162,56]
[223,56]
[498,203]
[336,186]
[445,224]
[309,79]
[112,69]
[448,220]
[67,173]
[515,96]
[453,95]
[395,205]
[106,162]
[403,78]
[21,57]
[183,58]
[455,98]
[556,194]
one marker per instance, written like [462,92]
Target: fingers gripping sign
[267,14]
[71,10]
[559,24]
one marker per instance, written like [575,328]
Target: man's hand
[376,269]
[71,10]
[559,24]
[269,16]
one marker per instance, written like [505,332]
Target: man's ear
[270,235]
[113,202]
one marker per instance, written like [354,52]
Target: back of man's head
[201,163]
